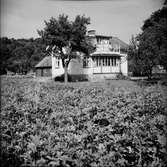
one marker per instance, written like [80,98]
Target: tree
[153,41]
[20,55]
[69,37]
[151,49]
[5,53]
[134,62]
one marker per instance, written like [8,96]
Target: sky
[120,18]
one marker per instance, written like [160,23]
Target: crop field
[105,124]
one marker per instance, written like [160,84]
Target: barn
[44,67]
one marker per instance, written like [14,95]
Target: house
[108,60]
[158,69]
[44,67]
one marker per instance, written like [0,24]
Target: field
[105,124]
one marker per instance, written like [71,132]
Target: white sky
[121,18]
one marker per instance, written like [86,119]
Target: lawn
[82,124]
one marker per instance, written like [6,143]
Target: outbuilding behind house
[44,67]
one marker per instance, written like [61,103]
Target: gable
[45,62]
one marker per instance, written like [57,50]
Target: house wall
[47,72]
[55,70]
[43,72]
[76,68]
[124,65]
[38,72]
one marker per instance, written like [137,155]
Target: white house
[108,60]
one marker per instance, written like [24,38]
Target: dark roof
[45,62]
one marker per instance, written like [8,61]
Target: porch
[106,64]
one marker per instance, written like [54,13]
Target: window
[97,61]
[116,47]
[98,41]
[57,62]
[105,61]
[113,61]
[85,62]
[108,64]
[117,62]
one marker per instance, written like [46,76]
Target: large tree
[67,37]
[134,63]
[151,48]
[153,41]
[20,55]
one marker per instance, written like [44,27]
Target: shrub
[72,78]
[121,76]
[61,78]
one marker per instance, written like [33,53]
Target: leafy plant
[48,124]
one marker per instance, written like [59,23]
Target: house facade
[108,60]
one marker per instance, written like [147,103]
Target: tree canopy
[152,43]
[20,55]
[61,31]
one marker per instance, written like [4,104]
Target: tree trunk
[149,73]
[65,73]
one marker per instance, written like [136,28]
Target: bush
[72,78]
[61,78]
[79,78]
[121,76]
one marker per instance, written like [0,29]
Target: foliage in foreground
[45,124]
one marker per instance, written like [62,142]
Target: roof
[117,40]
[112,39]
[45,62]
[107,49]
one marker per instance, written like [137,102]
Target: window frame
[57,62]
[85,62]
